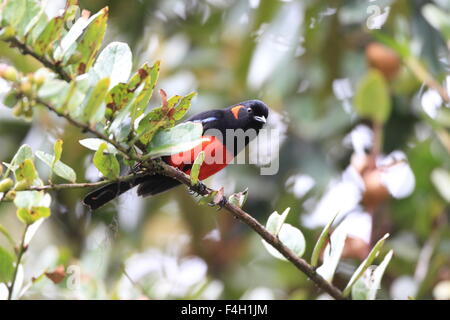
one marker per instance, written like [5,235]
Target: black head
[251,114]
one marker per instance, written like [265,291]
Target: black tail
[156,184]
[148,185]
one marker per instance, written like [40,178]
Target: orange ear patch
[235,111]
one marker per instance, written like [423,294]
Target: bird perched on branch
[226,132]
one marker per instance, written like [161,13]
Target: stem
[161,167]
[85,184]
[158,166]
[46,62]
[22,250]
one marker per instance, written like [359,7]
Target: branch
[157,166]
[161,167]
[62,186]
[86,128]
[45,61]
[299,263]
[20,253]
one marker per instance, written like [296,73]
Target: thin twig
[20,253]
[157,166]
[161,167]
[45,61]
[62,186]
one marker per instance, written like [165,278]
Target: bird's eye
[249,110]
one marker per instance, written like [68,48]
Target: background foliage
[315,64]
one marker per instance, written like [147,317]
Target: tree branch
[20,253]
[45,61]
[63,186]
[167,170]
[158,166]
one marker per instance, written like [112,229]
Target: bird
[244,119]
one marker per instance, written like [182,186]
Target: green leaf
[24,152]
[368,284]
[13,12]
[28,199]
[438,18]
[163,117]
[107,164]
[59,168]
[150,76]
[29,19]
[32,206]
[6,265]
[95,143]
[94,102]
[239,199]
[114,62]
[57,149]
[372,99]
[5,232]
[292,238]
[441,180]
[31,215]
[26,172]
[365,264]
[180,138]
[89,43]
[195,170]
[332,254]
[6,184]
[276,221]
[36,28]
[322,240]
[50,34]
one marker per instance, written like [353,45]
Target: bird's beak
[261,119]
